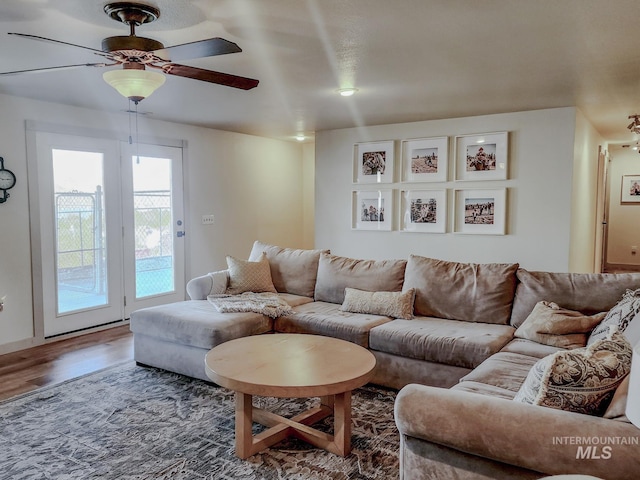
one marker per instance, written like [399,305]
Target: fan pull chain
[131,112]
[137,138]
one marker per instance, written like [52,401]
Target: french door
[152,225]
[110,229]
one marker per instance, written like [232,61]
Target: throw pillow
[245,276]
[620,315]
[390,304]
[550,324]
[581,380]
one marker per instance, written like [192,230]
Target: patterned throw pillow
[620,315]
[581,380]
[245,276]
[390,304]
[550,324]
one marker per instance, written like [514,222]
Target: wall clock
[7,181]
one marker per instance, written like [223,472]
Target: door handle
[181,233]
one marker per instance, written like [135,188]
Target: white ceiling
[410,59]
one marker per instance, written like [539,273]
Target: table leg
[342,423]
[327,401]
[244,423]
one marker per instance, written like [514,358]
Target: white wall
[624,220]
[254,187]
[541,156]
[308,150]
[584,203]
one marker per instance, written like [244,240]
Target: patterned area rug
[132,422]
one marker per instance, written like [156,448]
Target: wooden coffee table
[291,366]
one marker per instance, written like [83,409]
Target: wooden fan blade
[44,39]
[62,67]
[199,49]
[210,76]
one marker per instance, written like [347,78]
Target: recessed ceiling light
[481,140]
[347,92]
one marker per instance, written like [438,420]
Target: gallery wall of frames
[425,169]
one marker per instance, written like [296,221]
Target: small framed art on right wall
[630,189]
[481,211]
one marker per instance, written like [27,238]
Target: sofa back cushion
[589,293]
[292,270]
[462,291]
[337,273]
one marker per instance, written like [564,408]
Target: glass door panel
[154,264]
[80,247]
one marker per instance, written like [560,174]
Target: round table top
[289,365]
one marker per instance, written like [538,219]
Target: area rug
[133,422]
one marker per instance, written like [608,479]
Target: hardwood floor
[54,362]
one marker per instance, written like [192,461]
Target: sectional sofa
[453,353]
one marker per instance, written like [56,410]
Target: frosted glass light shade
[134,84]
[633,398]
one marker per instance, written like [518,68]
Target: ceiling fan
[136,54]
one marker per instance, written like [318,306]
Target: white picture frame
[481,156]
[423,211]
[630,189]
[425,159]
[372,210]
[480,211]
[373,162]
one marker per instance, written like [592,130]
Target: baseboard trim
[20,345]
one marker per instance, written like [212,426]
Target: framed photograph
[372,210]
[482,157]
[630,189]
[373,162]
[423,211]
[425,159]
[481,211]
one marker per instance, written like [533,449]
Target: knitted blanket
[269,304]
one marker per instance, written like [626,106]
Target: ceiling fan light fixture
[347,92]
[134,84]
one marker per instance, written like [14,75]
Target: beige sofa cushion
[589,293]
[337,273]
[581,380]
[553,325]
[196,323]
[504,370]
[322,318]
[451,342]
[248,276]
[527,347]
[390,304]
[462,291]
[292,270]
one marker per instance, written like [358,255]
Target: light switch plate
[207,219]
